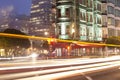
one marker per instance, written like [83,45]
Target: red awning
[61,45]
[85,46]
[72,45]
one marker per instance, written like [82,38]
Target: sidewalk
[86,56]
[56,57]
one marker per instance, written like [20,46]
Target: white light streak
[62,72]
[56,76]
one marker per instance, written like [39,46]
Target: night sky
[19,6]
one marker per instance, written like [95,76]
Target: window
[117,23]
[111,32]
[98,19]
[117,13]
[64,12]
[97,6]
[90,17]
[89,3]
[111,21]
[83,31]
[67,12]
[111,1]
[59,13]
[83,2]
[67,30]
[59,30]
[110,10]
[82,14]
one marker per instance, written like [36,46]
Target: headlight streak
[69,71]
[56,63]
[56,76]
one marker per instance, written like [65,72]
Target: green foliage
[3,42]
[45,45]
[113,40]
[11,42]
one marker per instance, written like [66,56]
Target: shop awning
[73,45]
[85,46]
[61,45]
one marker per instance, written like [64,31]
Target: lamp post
[31,45]
[46,33]
[73,32]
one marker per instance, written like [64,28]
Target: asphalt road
[62,69]
[107,74]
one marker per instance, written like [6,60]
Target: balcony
[104,1]
[64,2]
[60,1]
[63,19]
[64,36]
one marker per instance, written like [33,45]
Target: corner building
[79,20]
[110,18]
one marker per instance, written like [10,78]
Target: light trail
[56,76]
[54,39]
[23,36]
[54,63]
[61,71]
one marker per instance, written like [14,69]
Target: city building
[79,20]
[110,18]
[41,17]
[110,21]
[82,20]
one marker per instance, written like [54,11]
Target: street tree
[25,43]
[113,40]
[13,45]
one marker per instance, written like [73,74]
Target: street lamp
[46,33]
[73,30]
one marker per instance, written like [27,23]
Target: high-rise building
[111,18]
[41,16]
[18,22]
[79,19]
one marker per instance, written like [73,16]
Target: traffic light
[52,41]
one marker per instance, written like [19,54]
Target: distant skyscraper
[41,16]
[10,19]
